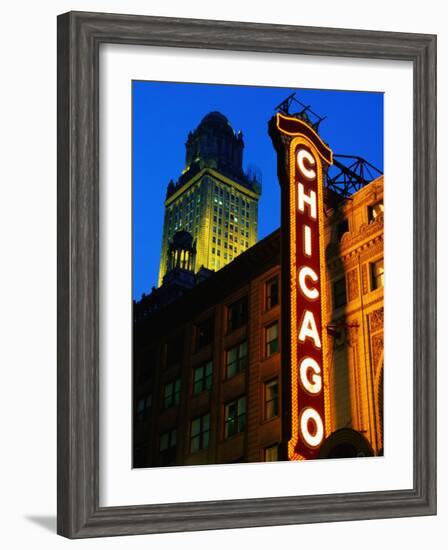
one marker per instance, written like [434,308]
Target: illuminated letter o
[310,439]
[315,384]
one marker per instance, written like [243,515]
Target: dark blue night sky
[164,113]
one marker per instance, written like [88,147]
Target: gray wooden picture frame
[79,38]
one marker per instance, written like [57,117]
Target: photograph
[258,274]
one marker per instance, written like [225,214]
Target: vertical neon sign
[302,157]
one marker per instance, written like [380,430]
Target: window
[339,293]
[236,359]
[171,394]
[204,333]
[271,453]
[271,292]
[237,314]
[271,339]
[341,228]
[199,433]
[167,447]
[375,210]
[235,417]
[377,274]
[271,399]
[202,377]
[143,407]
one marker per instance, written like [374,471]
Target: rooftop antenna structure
[350,176]
[349,173]
[305,113]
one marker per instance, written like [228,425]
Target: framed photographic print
[246,274]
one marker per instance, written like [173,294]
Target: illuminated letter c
[304,273]
[303,154]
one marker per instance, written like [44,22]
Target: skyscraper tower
[213,199]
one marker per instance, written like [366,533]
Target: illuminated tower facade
[214,199]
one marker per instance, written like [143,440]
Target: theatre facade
[212,374]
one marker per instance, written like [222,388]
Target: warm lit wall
[356,348]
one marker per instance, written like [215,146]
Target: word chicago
[309,310]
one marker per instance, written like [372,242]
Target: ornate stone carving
[363,229]
[377,320]
[377,348]
[345,239]
[365,279]
[366,232]
[352,283]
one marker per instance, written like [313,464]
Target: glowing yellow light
[329,153]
